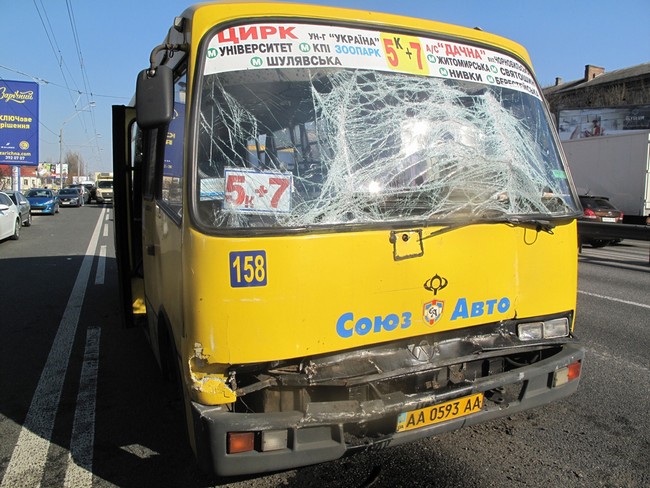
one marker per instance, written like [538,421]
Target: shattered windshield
[292,141]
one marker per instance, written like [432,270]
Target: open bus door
[127,214]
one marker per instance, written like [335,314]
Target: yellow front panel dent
[331,292]
[208,381]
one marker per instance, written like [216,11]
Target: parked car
[600,209]
[84,191]
[43,200]
[71,197]
[92,192]
[24,208]
[9,218]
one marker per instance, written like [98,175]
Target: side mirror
[154,97]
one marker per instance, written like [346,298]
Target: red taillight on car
[590,214]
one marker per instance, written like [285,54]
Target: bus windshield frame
[290,139]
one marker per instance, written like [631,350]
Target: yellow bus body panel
[330,292]
[491,273]
[314,279]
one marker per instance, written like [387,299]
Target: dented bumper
[319,434]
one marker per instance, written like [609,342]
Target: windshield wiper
[537,224]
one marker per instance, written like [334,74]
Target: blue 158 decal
[247,268]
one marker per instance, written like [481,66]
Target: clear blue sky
[114,39]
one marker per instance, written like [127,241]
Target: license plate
[440,413]
[609,219]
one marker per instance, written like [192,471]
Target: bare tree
[5,177]
[75,166]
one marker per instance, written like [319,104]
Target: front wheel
[28,222]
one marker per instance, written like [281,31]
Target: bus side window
[149,150]
[172,174]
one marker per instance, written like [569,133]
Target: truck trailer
[616,166]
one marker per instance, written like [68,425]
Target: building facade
[601,103]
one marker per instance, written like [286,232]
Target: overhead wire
[85,94]
[58,56]
[43,81]
[54,45]
[82,68]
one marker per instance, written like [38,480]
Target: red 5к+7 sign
[256,192]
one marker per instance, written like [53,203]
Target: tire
[28,222]
[168,361]
[599,243]
[17,226]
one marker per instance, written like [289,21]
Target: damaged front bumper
[322,431]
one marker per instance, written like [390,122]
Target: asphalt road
[82,403]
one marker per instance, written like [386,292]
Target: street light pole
[91,104]
[80,165]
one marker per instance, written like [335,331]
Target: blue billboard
[19,122]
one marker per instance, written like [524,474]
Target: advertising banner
[604,121]
[18,122]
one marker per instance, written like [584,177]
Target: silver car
[24,207]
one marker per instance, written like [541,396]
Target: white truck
[616,166]
[104,188]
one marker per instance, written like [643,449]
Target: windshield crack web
[393,147]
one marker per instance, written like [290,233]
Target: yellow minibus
[343,230]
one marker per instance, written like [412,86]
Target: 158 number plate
[440,413]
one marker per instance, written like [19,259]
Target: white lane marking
[105,230]
[615,299]
[79,473]
[27,462]
[101,266]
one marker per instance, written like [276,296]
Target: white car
[9,218]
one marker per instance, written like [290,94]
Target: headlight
[548,329]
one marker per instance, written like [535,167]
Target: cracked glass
[285,146]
